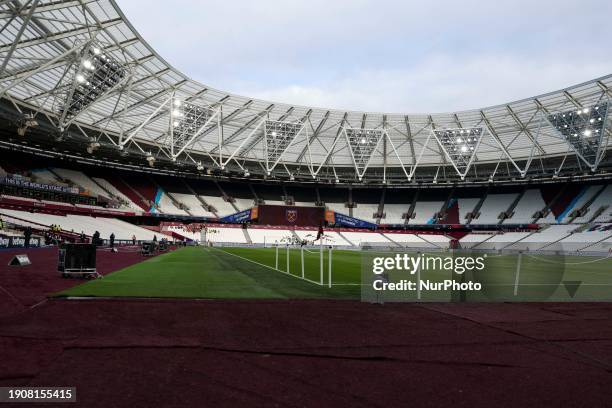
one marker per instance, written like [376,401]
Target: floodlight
[278,137]
[362,143]
[188,120]
[150,159]
[582,131]
[92,147]
[460,150]
[99,74]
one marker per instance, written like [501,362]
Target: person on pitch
[27,235]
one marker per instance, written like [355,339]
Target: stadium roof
[53,50]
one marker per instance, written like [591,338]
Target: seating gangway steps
[510,210]
[475,213]
[247,237]
[585,208]
[345,238]
[200,199]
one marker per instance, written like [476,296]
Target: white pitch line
[518,271]
[269,267]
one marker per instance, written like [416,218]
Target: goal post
[329,269]
[288,270]
[303,266]
[321,259]
[302,259]
[276,250]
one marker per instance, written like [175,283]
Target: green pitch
[242,273]
[197,272]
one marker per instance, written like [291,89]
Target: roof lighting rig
[363,143]
[187,120]
[96,74]
[279,136]
[460,146]
[584,130]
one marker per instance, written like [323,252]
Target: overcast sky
[383,55]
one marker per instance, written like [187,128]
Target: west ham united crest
[291,215]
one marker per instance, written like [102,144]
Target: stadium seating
[193,204]
[543,239]
[226,235]
[331,237]
[361,238]
[602,200]
[583,240]
[466,205]
[471,240]
[424,212]
[337,207]
[180,230]
[270,236]
[129,192]
[77,223]
[366,212]
[502,240]
[221,206]
[243,203]
[604,246]
[394,213]
[524,211]
[115,192]
[45,176]
[440,241]
[407,240]
[81,180]
[492,206]
[167,206]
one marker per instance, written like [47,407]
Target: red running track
[22,287]
[155,353]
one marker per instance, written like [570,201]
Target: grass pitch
[250,273]
[208,273]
